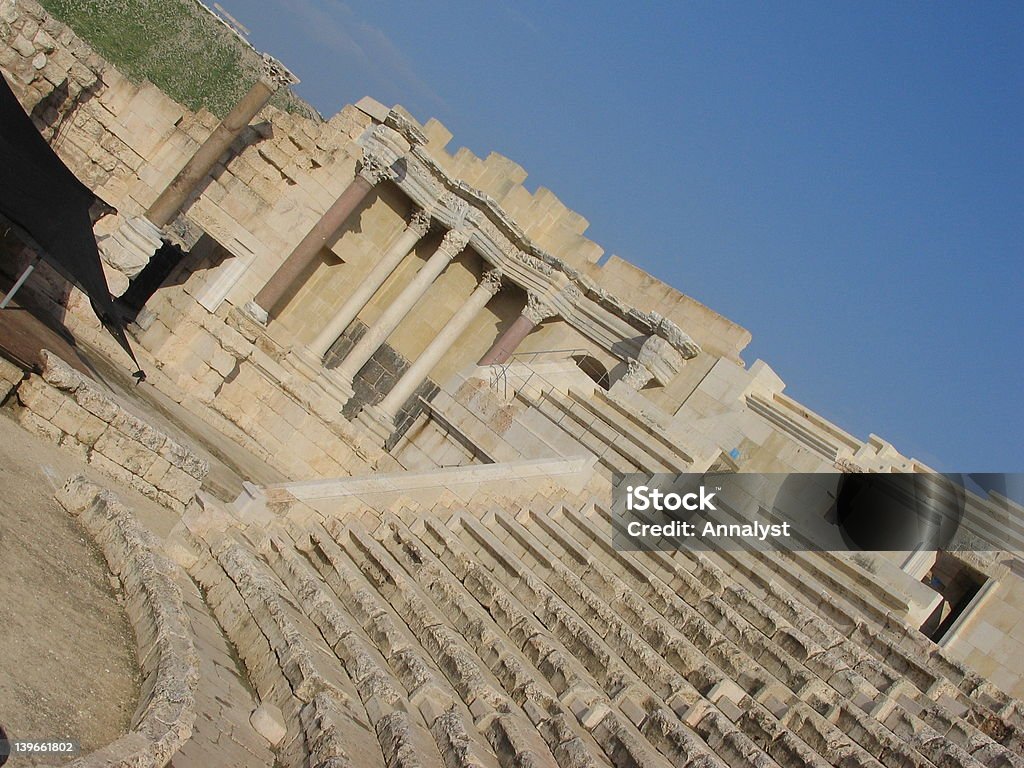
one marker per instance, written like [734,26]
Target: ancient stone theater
[359,512]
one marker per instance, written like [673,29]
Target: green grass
[176,45]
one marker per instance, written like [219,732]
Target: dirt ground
[67,660]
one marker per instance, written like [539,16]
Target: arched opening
[594,368]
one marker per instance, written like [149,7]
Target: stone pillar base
[308,365]
[256,313]
[378,422]
[130,248]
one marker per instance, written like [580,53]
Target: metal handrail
[500,374]
[500,370]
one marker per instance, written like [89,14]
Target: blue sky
[844,180]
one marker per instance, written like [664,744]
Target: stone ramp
[420,634]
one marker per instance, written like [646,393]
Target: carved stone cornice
[456,208]
[666,329]
[593,310]
[848,466]
[537,310]
[375,169]
[571,293]
[405,126]
[420,222]
[274,73]
[637,376]
[491,281]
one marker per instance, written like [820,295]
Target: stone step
[538,429]
[660,641]
[613,430]
[224,700]
[288,667]
[865,697]
[607,455]
[523,683]
[383,697]
[618,737]
[641,615]
[619,641]
[650,433]
[442,710]
[488,442]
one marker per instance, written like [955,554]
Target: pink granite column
[535,312]
[323,234]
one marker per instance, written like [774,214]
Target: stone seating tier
[456,634]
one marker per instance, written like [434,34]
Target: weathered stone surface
[162,628]
[268,722]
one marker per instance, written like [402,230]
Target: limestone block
[110,468]
[70,417]
[59,374]
[183,458]
[178,484]
[96,403]
[23,46]
[268,722]
[137,430]
[223,362]
[39,397]
[125,452]
[157,470]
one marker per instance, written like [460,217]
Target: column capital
[491,281]
[419,222]
[537,310]
[274,73]
[374,169]
[637,375]
[454,241]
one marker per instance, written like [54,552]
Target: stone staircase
[509,633]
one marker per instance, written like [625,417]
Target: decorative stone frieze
[420,222]
[661,359]
[406,127]
[375,169]
[571,293]
[637,376]
[456,208]
[537,310]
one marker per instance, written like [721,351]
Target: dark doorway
[958,583]
[149,280]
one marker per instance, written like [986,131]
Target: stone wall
[377,377]
[166,711]
[282,173]
[67,408]
[220,364]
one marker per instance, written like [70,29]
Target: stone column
[418,226]
[533,314]
[378,333]
[417,373]
[372,171]
[273,76]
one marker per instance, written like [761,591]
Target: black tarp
[40,196]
